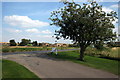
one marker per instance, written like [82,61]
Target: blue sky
[30,20]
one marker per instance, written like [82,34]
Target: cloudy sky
[30,20]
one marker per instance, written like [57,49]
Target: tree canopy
[24,42]
[85,25]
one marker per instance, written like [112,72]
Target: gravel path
[47,67]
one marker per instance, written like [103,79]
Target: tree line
[24,42]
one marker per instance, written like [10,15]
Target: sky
[30,20]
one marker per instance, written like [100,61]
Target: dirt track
[46,67]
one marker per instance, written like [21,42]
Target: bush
[29,44]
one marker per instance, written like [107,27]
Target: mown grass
[13,70]
[95,62]
[23,49]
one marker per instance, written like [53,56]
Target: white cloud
[45,36]
[23,21]
[48,36]
[17,31]
[13,30]
[46,32]
[114,6]
[107,10]
[32,30]
[115,30]
[114,22]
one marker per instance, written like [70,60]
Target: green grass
[107,52]
[14,70]
[23,49]
[99,63]
[8,49]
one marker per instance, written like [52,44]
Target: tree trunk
[82,50]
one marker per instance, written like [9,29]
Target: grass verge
[99,63]
[22,49]
[14,70]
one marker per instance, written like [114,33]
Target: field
[95,62]
[27,48]
[14,70]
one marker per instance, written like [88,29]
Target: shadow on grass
[95,62]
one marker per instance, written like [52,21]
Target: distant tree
[12,43]
[24,42]
[18,43]
[40,44]
[85,25]
[35,43]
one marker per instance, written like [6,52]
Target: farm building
[45,44]
[54,45]
[61,45]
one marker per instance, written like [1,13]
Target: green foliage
[110,44]
[83,24]
[35,43]
[14,70]
[12,43]
[99,45]
[40,44]
[24,42]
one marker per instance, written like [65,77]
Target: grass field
[95,62]
[14,70]
[25,48]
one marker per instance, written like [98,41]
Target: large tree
[85,25]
